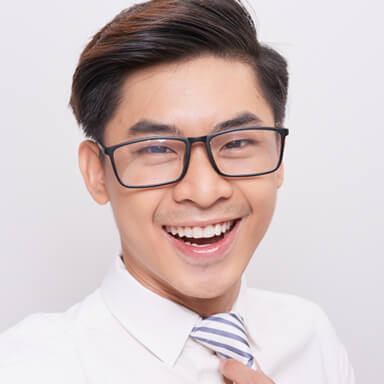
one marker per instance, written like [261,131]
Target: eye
[236,144]
[155,149]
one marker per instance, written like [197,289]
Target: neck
[210,306]
[203,306]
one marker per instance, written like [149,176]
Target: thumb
[241,374]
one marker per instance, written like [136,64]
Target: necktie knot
[225,334]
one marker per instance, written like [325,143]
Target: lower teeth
[196,245]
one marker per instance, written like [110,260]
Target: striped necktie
[226,335]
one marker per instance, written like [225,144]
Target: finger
[241,374]
[256,365]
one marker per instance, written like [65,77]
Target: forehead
[193,95]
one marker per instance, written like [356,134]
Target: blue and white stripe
[226,335]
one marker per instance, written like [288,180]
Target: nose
[202,185]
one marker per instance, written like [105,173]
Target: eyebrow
[151,127]
[238,121]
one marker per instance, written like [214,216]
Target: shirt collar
[243,306]
[161,325]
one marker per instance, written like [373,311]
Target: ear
[280,176]
[93,171]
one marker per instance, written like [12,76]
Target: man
[184,110]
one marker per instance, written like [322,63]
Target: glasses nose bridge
[200,139]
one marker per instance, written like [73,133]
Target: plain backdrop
[325,242]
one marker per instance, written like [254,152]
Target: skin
[236,372]
[194,96]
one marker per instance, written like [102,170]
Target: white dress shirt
[124,333]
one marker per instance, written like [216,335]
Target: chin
[209,288]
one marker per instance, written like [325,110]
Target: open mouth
[202,236]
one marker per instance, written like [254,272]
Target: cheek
[261,197]
[133,211]
[127,205]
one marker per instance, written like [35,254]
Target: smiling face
[192,97]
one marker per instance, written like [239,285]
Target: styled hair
[162,31]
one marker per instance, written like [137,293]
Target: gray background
[325,242]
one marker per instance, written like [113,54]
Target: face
[194,96]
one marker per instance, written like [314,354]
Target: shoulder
[274,303]
[41,345]
[287,313]
[288,323]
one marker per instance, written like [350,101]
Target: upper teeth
[200,232]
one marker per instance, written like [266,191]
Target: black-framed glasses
[161,160]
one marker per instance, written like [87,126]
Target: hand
[236,372]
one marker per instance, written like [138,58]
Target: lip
[207,255]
